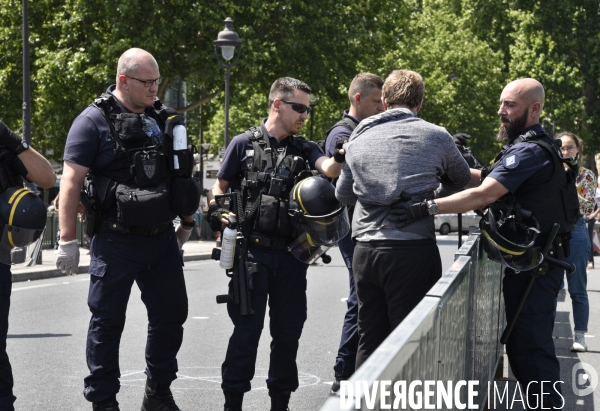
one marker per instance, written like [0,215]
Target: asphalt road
[48,327]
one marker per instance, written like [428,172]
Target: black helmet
[316,212]
[23,218]
[509,235]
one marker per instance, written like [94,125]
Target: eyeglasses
[568,148]
[147,83]
[297,107]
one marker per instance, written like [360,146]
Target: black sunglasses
[297,107]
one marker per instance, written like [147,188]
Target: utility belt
[265,241]
[115,227]
[560,248]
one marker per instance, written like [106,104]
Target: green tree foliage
[466,51]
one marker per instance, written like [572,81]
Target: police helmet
[23,219]
[508,238]
[320,220]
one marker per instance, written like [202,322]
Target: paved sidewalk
[192,250]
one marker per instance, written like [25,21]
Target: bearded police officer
[261,166]
[122,142]
[17,159]
[527,175]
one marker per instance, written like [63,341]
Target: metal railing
[52,228]
[453,334]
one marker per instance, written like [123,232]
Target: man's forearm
[67,212]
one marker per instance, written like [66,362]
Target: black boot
[109,404]
[279,400]
[158,397]
[233,401]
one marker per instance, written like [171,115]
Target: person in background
[591,223]
[580,241]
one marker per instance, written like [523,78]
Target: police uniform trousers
[155,264]
[280,280]
[530,347]
[391,277]
[7,398]
[346,357]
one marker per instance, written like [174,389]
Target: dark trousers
[392,277]
[281,279]
[346,357]
[155,264]
[530,347]
[7,398]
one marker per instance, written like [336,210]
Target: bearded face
[511,129]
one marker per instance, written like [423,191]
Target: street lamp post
[227,40]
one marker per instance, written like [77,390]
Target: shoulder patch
[511,161]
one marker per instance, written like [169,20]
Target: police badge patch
[149,168]
[511,161]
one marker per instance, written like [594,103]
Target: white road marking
[344,299]
[34,286]
[200,318]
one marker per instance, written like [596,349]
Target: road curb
[82,269]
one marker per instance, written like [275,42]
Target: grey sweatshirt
[391,153]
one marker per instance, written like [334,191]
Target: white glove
[182,234]
[67,257]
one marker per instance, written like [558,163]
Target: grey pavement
[574,380]
[192,251]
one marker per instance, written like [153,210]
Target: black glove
[215,213]
[337,156]
[405,211]
[9,138]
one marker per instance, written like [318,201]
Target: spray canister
[179,142]
[228,248]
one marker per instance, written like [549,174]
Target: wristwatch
[432,207]
[22,147]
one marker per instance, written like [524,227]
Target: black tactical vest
[556,200]
[134,188]
[264,189]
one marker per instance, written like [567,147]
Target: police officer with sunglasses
[261,166]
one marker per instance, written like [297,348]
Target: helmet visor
[306,250]
[330,229]
[18,237]
[517,260]
[24,256]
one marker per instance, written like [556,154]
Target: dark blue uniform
[7,398]
[280,280]
[117,260]
[346,358]
[530,348]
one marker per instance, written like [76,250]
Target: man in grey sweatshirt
[391,156]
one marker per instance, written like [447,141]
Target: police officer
[120,142]
[365,101]
[17,160]
[261,166]
[529,172]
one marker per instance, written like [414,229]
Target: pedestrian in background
[572,146]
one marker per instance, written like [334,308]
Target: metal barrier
[453,334]
[52,228]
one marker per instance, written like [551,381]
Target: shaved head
[132,59]
[528,89]
[521,104]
